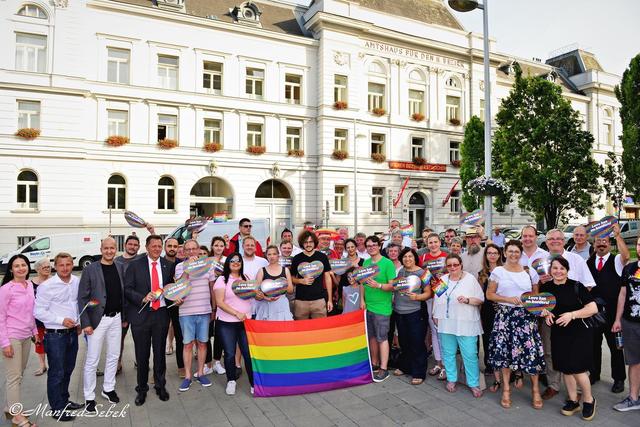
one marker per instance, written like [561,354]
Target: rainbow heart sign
[340,266]
[198,268]
[244,289]
[312,269]
[472,218]
[541,265]
[218,267]
[435,266]
[407,230]
[179,289]
[134,220]
[535,303]
[603,228]
[285,261]
[361,274]
[197,224]
[405,285]
[274,288]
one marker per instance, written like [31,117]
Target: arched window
[116,192]
[377,68]
[272,189]
[607,127]
[454,100]
[376,88]
[416,76]
[416,94]
[166,194]
[32,11]
[27,190]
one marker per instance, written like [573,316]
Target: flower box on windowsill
[456,163]
[256,149]
[212,147]
[339,154]
[378,112]
[28,133]
[417,117]
[117,140]
[378,157]
[419,161]
[167,144]
[295,153]
[454,122]
[340,105]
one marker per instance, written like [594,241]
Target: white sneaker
[231,388]
[207,370]
[219,369]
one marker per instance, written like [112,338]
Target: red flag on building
[399,197]
[446,199]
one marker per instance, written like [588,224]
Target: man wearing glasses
[235,243]
[312,300]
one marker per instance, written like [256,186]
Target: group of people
[464,294]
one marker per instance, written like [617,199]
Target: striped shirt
[199,299]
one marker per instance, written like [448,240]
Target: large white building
[380,82]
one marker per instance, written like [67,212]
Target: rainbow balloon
[244,289]
[274,288]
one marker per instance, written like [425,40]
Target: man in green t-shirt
[378,296]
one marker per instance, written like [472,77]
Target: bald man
[102,281]
[581,245]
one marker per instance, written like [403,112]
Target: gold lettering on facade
[412,53]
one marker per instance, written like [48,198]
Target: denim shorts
[195,327]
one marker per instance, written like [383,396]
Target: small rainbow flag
[439,287]
[426,277]
[407,230]
[90,304]
[308,356]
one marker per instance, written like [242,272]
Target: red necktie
[155,285]
[600,264]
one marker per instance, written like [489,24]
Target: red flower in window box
[295,153]
[256,149]
[212,147]
[378,157]
[340,105]
[28,133]
[456,163]
[167,144]
[117,140]
[339,154]
[378,112]
[417,117]
[419,161]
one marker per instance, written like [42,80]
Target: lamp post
[468,6]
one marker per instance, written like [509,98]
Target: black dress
[571,345]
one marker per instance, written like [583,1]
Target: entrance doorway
[419,212]
[210,196]
[273,202]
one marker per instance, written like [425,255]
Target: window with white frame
[340,140]
[168,71]
[453,108]
[254,134]
[454,151]
[28,114]
[417,147]
[607,123]
[120,239]
[482,109]
[377,143]
[377,199]
[212,131]
[294,138]
[32,11]
[292,88]
[118,65]
[375,96]
[340,84]
[166,194]
[454,202]
[167,127]
[31,52]
[27,194]
[116,192]
[254,82]
[416,102]
[340,198]
[118,121]
[212,77]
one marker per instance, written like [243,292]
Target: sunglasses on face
[236,260]
[247,225]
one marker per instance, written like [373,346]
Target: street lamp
[468,6]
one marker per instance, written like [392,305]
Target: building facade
[175,108]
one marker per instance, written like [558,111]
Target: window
[27,190]
[212,77]
[482,109]
[31,52]
[254,134]
[294,139]
[454,151]
[32,11]
[28,114]
[377,199]
[377,143]
[375,96]
[340,140]
[340,198]
[23,240]
[168,71]
[166,194]
[254,82]
[453,107]
[119,238]
[608,134]
[292,87]
[116,192]
[118,122]
[340,84]
[167,126]
[118,65]
[416,101]
[39,245]
[417,148]
[454,202]
[211,131]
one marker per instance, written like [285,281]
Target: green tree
[628,93]
[542,153]
[614,181]
[472,161]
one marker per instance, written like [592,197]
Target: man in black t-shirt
[310,269]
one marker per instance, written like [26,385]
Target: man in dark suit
[144,279]
[102,281]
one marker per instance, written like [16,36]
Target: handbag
[599,319]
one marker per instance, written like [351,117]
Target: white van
[260,231]
[83,247]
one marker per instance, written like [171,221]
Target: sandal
[505,401]
[23,423]
[477,393]
[416,381]
[495,386]
[536,401]
[518,380]
[435,370]
[40,371]
[442,375]
[451,387]
[398,373]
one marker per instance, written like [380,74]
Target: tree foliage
[614,181]
[542,153]
[628,93]
[472,161]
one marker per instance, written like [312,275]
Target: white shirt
[57,300]
[617,262]
[578,269]
[364,254]
[463,319]
[159,269]
[526,260]
[512,284]
[251,267]
[296,250]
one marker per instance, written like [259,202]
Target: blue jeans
[469,351]
[61,352]
[412,329]
[232,333]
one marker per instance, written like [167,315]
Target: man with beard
[171,246]
[472,258]
[607,271]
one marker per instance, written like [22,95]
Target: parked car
[629,231]
[260,231]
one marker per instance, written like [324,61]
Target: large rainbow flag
[307,356]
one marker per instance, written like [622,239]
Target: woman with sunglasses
[230,315]
[43,270]
[457,316]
